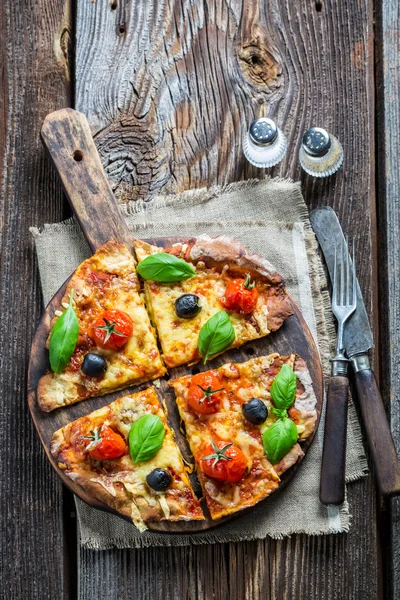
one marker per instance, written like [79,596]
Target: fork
[344,303]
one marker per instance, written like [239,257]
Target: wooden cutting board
[66,135]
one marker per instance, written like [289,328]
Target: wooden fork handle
[332,483]
[383,451]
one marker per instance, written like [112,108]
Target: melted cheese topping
[139,360]
[241,383]
[179,337]
[178,501]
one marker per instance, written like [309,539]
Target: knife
[358,340]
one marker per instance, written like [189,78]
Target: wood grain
[293,337]
[380,441]
[169,97]
[66,135]
[388,120]
[332,488]
[33,564]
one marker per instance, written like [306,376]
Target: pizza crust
[119,483]
[242,382]
[218,261]
[138,361]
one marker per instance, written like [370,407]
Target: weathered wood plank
[388,118]
[169,89]
[33,82]
[296,568]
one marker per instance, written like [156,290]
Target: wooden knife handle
[383,451]
[332,482]
[66,135]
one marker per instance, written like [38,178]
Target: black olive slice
[187,306]
[159,480]
[94,365]
[255,411]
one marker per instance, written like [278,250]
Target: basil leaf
[279,412]
[63,338]
[216,335]
[279,439]
[283,388]
[165,268]
[146,437]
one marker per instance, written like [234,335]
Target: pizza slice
[220,279]
[125,455]
[231,418]
[101,338]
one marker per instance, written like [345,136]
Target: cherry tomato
[105,444]
[224,461]
[241,296]
[99,277]
[111,330]
[204,394]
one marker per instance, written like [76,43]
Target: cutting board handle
[67,137]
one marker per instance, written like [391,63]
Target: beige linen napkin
[271,219]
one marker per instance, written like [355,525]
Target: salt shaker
[321,154]
[264,144]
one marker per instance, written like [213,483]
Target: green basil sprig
[282,435]
[283,389]
[146,437]
[216,335]
[165,268]
[63,338]
[279,438]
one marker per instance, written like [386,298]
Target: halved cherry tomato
[100,277]
[105,444]
[111,330]
[204,394]
[224,461]
[241,296]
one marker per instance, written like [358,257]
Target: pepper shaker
[264,144]
[321,154]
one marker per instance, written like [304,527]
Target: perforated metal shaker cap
[263,132]
[316,141]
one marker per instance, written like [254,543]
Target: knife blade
[357,336]
[358,340]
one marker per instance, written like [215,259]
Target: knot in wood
[258,64]
[135,157]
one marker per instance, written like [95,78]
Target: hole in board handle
[319,5]
[122,29]
[78,155]
[113,5]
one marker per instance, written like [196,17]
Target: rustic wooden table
[168,88]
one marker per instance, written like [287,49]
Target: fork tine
[334,287]
[354,276]
[348,289]
[341,267]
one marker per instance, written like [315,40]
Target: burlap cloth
[270,218]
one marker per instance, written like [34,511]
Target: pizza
[114,345]
[225,279]
[231,419]
[245,423]
[133,466]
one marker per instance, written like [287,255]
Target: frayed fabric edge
[198,196]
